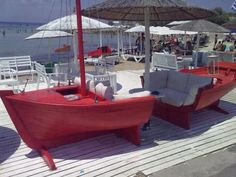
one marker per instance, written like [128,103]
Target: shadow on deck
[9,143]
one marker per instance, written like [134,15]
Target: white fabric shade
[48,34]
[70,23]
[174,23]
[136,29]
[158,30]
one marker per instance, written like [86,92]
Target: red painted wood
[206,97]
[47,119]
[81,47]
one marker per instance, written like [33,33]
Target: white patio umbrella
[48,35]
[175,23]
[69,23]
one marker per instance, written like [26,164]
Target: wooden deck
[163,146]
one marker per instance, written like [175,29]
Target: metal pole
[197,48]
[118,40]
[100,37]
[147,48]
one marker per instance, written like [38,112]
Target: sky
[39,10]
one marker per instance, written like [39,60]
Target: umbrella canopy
[201,26]
[70,23]
[175,23]
[136,29]
[230,25]
[133,10]
[48,34]
[146,10]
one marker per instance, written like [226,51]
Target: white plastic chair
[8,76]
[49,78]
[105,65]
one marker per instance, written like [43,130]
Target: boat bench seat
[179,89]
[180,95]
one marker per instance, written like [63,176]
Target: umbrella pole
[129,42]
[75,45]
[197,48]
[100,33]
[147,48]
[118,42]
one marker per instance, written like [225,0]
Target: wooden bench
[21,65]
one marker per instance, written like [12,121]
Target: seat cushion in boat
[172,97]
[177,81]
[133,95]
[158,80]
[104,91]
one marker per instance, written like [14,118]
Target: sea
[13,43]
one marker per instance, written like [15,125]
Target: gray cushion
[172,97]
[177,81]
[198,81]
[191,96]
[158,80]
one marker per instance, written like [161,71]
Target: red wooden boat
[48,118]
[208,97]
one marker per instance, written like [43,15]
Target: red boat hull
[46,119]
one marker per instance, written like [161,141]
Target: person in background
[140,43]
[215,42]
[220,46]
[189,48]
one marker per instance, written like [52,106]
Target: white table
[213,67]
[109,76]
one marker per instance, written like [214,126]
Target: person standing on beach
[3,33]
[215,42]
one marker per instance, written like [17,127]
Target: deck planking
[163,146]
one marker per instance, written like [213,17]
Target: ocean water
[13,43]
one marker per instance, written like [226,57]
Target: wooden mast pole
[80,56]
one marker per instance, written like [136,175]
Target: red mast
[80,47]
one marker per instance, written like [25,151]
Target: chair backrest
[5,70]
[105,64]
[40,69]
[23,62]
[71,69]
[164,61]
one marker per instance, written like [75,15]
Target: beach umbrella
[175,23]
[200,26]
[136,29]
[48,34]
[146,11]
[231,25]
[69,23]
